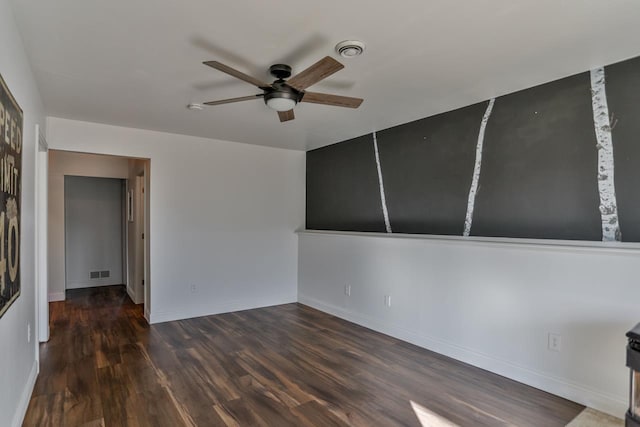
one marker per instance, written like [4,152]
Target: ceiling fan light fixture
[280,101]
[284,93]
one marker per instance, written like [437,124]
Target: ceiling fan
[282,95]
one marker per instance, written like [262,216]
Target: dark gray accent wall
[539,165]
[623,95]
[539,169]
[342,187]
[427,166]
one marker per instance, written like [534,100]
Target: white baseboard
[131,294]
[94,283]
[25,397]
[219,308]
[57,296]
[613,405]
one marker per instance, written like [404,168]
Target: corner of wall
[56,296]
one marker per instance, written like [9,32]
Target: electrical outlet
[194,288]
[28,332]
[555,342]
[347,290]
[387,300]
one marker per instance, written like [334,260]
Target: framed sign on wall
[11,120]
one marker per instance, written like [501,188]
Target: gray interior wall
[539,165]
[93,231]
[342,188]
[541,168]
[427,167]
[623,94]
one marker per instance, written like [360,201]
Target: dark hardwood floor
[287,365]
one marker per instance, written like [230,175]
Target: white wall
[93,231]
[489,304]
[18,368]
[75,164]
[83,164]
[222,216]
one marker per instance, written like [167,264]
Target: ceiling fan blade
[327,99]
[230,100]
[237,74]
[285,116]
[312,75]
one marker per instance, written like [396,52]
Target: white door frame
[145,246]
[41,241]
[142,218]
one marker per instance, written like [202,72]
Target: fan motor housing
[281,90]
[281,94]
[280,71]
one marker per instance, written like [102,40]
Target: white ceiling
[139,63]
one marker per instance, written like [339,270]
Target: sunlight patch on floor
[592,418]
[429,418]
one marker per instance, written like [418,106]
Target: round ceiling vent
[350,48]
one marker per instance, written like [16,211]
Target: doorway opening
[94,230]
[97,217]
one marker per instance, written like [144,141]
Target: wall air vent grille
[350,48]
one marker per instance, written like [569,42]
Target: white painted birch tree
[383,199]
[476,169]
[606,185]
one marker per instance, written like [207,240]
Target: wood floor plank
[286,365]
[46,410]
[315,414]
[82,409]
[94,423]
